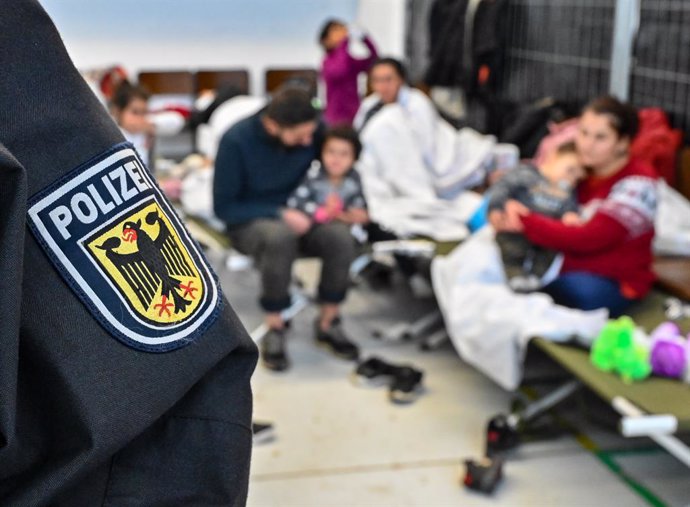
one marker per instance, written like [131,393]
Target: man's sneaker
[373,372]
[406,385]
[335,340]
[262,432]
[273,353]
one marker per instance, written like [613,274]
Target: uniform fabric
[84,419]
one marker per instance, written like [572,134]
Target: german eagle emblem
[117,243]
[150,266]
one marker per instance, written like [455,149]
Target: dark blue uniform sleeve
[85,419]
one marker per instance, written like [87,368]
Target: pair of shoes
[273,353]
[262,432]
[335,340]
[373,372]
[405,382]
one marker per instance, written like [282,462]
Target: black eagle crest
[152,270]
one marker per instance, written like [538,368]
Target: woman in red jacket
[608,256]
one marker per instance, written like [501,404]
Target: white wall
[191,34]
[385,19]
[254,56]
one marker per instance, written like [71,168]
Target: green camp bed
[655,407]
[654,395]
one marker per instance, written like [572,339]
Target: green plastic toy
[615,350]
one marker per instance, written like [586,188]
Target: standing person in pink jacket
[340,70]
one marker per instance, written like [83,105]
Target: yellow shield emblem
[149,266]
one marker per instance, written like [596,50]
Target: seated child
[129,107]
[548,189]
[334,191]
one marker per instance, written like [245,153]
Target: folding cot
[655,407]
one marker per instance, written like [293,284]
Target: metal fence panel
[661,70]
[563,49]
[558,48]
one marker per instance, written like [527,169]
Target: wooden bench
[168,82]
[222,78]
[275,78]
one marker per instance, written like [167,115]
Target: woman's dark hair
[291,106]
[125,93]
[326,29]
[622,116]
[345,133]
[396,64]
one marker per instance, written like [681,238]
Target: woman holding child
[608,255]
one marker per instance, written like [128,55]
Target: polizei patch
[115,240]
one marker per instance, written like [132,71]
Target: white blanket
[672,222]
[489,324]
[416,168]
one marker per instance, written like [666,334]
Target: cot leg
[395,333]
[359,264]
[503,430]
[424,323]
[407,331]
[657,427]
[434,340]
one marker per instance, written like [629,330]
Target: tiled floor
[342,445]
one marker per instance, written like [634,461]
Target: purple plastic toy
[669,355]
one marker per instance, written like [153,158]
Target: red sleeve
[600,233]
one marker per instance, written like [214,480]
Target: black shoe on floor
[273,353]
[262,433]
[406,385]
[373,372]
[336,341]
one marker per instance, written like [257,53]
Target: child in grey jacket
[548,190]
[332,189]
